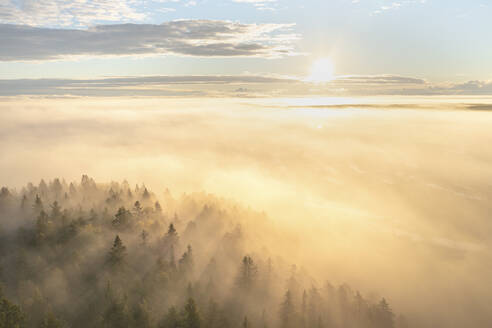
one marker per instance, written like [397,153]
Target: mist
[391,200]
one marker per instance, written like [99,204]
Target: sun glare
[322,70]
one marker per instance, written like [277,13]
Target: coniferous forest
[111,255]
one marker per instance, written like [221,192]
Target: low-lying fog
[391,201]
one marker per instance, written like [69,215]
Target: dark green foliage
[11,315]
[191,317]
[117,253]
[171,320]
[171,231]
[116,315]
[186,262]
[55,210]
[122,219]
[41,227]
[59,262]
[141,316]
[137,209]
[50,321]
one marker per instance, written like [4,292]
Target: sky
[265,47]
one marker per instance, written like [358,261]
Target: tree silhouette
[38,205]
[171,320]
[122,218]
[287,312]
[247,273]
[11,315]
[117,253]
[191,317]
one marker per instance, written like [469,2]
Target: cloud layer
[238,86]
[204,38]
[404,195]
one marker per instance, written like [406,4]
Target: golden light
[322,70]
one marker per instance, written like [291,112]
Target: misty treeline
[113,255]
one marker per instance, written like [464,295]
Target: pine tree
[386,314]
[211,318]
[146,194]
[117,253]
[158,207]
[172,260]
[55,210]
[41,226]
[313,307]
[11,315]
[247,273]
[43,188]
[304,309]
[50,321]
[171,319]
[186,262]
[72,190]
[141,316]
[171,231]
[144,235]
[287,312]
[38,205]
[171,239]
[122,218]
[137,209]
[116,315]
[23,202]
[57,188]
[191,317]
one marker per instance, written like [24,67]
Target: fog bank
[394,200]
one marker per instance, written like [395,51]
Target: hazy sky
[443,45]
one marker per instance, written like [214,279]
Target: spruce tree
[38,205]
[191,317]
[247,273]
[287,312]
[11,315]
[117,253]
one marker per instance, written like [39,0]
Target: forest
[86,254]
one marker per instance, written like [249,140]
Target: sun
[322,70]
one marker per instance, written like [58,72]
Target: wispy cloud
[69,13]
[239,86]
[260,4]
[394,5]
[203,38]
[138,86]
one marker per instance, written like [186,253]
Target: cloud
[260,4]
[378,79]
[68,13]
[473,87]
[242,86]
[394,5]
[165,86]
[204,38]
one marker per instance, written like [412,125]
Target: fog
[392,200]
